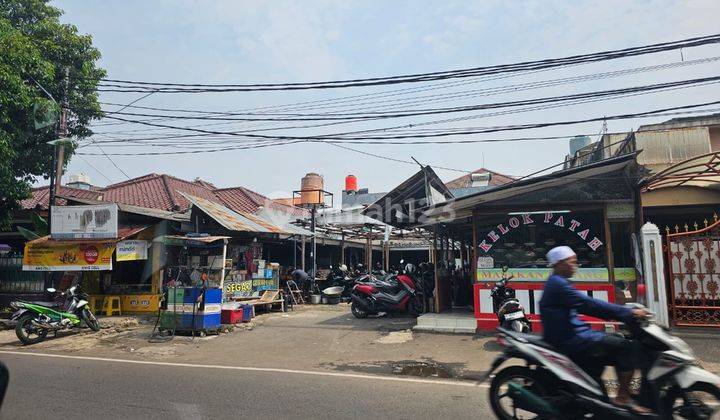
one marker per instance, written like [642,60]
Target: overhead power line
[116,85]
[430,111]
[396,99]
[438,97]
[281,140]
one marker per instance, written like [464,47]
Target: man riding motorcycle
[592,350]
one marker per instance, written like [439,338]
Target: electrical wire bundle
[177,131]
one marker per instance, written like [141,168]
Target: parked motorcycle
[551,386]
[340,277]
[34,321]
[507,307]
[398,294]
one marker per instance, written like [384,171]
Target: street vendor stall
[108,249]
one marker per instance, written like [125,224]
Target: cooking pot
[333,291]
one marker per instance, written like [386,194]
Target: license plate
[514,315]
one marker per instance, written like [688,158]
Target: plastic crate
[247,312]
[231,316]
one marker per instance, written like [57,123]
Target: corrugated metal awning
[203,239]
[402,206]
[231,220]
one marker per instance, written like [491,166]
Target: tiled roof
[465,181]
[159,191]
[41,196]
[241,199]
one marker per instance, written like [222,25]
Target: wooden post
[222,270]
[342,249]
[473,263]
[609,257]
[386,255]
[368,253]
[302,253]
[155,267]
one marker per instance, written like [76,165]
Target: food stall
[594,209]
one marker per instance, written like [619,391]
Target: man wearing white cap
[592,350]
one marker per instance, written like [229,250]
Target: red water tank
[351,183]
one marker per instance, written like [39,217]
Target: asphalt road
[57,387]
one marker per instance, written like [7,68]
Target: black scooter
[507,307]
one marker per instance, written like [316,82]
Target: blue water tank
[577,143]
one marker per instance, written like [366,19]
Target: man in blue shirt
[592,350]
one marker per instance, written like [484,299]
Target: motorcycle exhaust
[49,327]
[42,326]
[527,400]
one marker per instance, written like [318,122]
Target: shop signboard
[583,275]
[265,284]
[48,256]
[132,250]
[485,262]
[620,211]
[559,221]
[84,222]
[238,288]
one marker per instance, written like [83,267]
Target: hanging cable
[117,85]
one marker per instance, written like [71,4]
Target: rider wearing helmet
[592,350]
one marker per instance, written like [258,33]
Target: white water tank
[81,181]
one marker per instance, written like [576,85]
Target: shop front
[108,249]
[239,265]
[513,244]
[508,229]
[122,268]
[592,209]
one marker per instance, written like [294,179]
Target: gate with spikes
[693,265]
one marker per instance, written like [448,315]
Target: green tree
[35,50]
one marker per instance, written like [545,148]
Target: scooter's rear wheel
[357,311]
[27,333]
[700,401]
[415,306]
[501,402]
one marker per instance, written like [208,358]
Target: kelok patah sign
[560,221]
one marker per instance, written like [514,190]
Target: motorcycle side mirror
[51,290]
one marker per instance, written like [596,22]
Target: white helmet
[343,268]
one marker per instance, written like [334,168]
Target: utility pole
[59,147]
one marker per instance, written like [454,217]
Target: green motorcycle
[35,321]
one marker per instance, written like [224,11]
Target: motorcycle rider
[591,350]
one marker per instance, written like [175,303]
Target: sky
[235,42]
